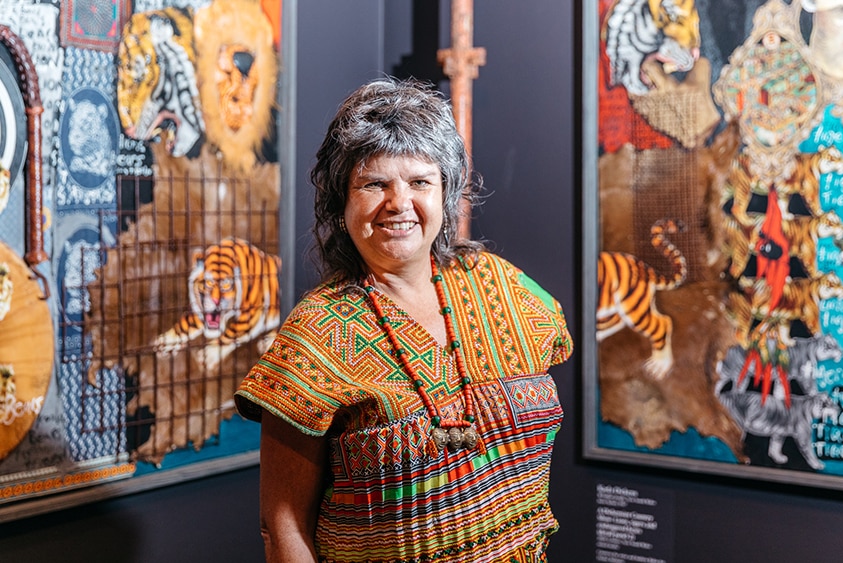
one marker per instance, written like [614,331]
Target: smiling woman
[394,212]
[395,425]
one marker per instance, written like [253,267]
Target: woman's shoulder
[494,268]
[485,263]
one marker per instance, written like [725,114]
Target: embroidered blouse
[332,371]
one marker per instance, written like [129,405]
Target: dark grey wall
[526,147]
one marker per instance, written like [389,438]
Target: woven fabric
[332,370]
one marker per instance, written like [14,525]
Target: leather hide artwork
[729,322]
[169,310]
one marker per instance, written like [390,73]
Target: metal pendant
[440,438]
[470,437]
[454,439]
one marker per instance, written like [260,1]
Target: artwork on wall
[153,266]
[713,196]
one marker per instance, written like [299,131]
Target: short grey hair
[396,118]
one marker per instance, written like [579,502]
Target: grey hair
[396,118]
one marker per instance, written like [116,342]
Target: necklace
[454,433]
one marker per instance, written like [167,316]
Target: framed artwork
[168,222]
[712,237]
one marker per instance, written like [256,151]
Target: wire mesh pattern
[175,311]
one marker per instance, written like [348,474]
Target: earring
[342,224]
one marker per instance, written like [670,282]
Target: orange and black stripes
[627,287]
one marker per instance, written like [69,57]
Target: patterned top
[332,370]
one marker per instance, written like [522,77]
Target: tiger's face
[830,161]
[216,290]
[643,31]
[829,286]
[157,95]
[829,225]
[678,20]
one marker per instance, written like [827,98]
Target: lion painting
[236,69]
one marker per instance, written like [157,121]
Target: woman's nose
[400,198]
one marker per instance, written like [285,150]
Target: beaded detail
[454,433]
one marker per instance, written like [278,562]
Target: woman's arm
[292,467]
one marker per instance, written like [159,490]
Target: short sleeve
[563,345]
[299,378]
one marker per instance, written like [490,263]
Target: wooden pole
[461,63]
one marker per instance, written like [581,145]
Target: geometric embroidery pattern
[531,397]
[332,370]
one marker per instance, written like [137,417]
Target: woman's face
[394,211]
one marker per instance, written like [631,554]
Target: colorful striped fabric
[333,371]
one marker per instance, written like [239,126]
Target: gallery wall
[526,114]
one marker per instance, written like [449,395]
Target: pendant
[470,437]
[454,439]
[440,438]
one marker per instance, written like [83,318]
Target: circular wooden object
[27,344]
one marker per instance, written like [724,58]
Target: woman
[406,408]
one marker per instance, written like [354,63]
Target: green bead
[466,380]
[368,289]
[418,383]
[455,344]
[437,278]
[401,352]
[384,320]
[469,418]
[435,421]
[446,310]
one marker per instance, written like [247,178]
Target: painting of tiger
[234,299]
[772,418]
[803,180]
[638,30]
[157,93]
[627,288]
[800,301]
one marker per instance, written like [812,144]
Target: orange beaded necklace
[454,433]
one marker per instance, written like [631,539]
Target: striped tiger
[234,299]
[626,295]
[157,92]
[800,301]
[636,30]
